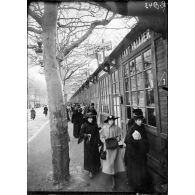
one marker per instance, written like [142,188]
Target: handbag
[111,143]
[102,153]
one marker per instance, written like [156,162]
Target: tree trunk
[58,119]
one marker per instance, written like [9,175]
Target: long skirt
[114,162]
[76,130]
[138,176]
[91,158]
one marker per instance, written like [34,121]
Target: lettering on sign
[98,48]
[137,42]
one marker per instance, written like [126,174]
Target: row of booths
[134,75]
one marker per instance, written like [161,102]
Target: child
[137,147]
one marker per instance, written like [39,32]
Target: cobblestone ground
[40,168]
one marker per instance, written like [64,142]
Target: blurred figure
[45,111]
[33,113]
[77,120]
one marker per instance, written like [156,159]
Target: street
[40,163]
[37,123]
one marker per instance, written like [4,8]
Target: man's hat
[89,115]
[111,117]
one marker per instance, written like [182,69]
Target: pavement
[35,125]
[40,167]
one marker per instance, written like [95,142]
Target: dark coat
[33,113]
[130,123]
[67,114]
[45,110]
[77,120]
[91,151]
[136,152]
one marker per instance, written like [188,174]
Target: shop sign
[140,40]
[137,43]
[98,48]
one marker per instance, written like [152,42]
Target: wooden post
[96,54]
[103,50]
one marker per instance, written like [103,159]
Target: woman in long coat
[131,122]
[114,162]
[77,120]
[90,134]
[137,147]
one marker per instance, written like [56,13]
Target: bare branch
[32,46]
[37,31]
[35,16]
[86,35]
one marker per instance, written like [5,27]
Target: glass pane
[151,117]
[114,110]
[132,68]
[150,97]
[126,70]
[126,84]
[128,112]
[116,76]
[118,111]
[133,83]
[114,87]
[139,67]
[114,100]
[140,81]
[112,77]
[149,79]
[140,98]
[134,98]
[147,59]
[117,88]
[127,98]
[118,100]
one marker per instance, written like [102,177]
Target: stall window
[115,96]
[104,95]
[139,87]
[126,72]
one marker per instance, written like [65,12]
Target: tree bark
[58,119]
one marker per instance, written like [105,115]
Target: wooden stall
[134,75]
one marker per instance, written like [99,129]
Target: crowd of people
[104,146]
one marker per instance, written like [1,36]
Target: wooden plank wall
[161,60]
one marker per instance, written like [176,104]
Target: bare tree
[61,35]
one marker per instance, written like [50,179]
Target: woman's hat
[89,115]
[111,117]
[138,117]
[138,112]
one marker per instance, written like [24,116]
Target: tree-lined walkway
[40,167]
[35,125]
